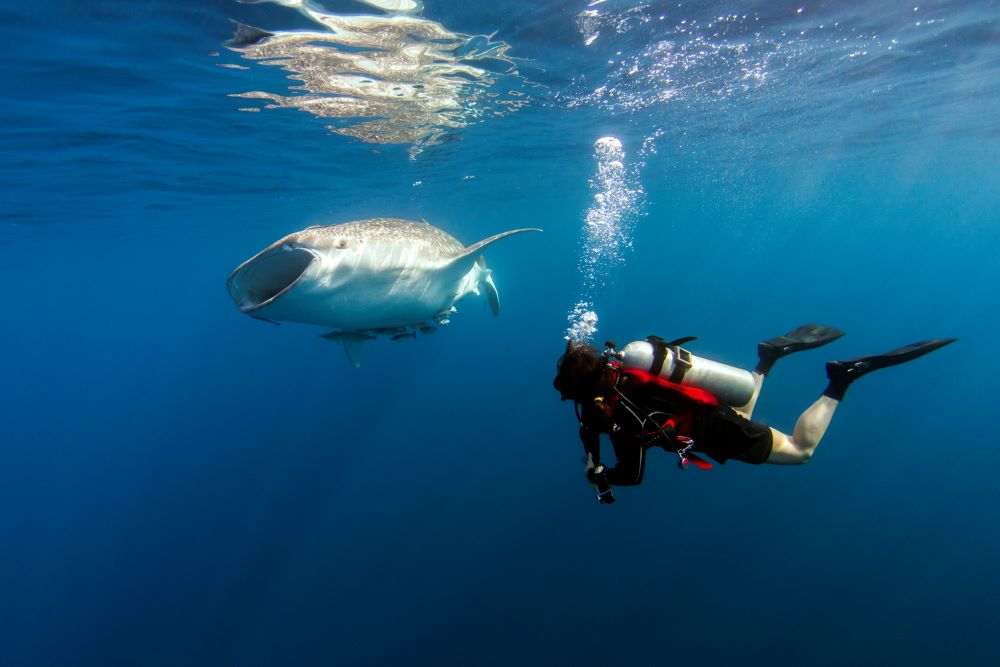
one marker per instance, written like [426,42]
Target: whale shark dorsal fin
[476,247]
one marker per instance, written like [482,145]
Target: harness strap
[682,362]
[659,354]
[682,358]
[675,428]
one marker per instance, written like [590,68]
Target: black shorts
[725,435]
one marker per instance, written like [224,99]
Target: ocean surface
[183,485]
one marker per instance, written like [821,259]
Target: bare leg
[809,429]
[758,381]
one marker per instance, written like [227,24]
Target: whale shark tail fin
[485,276]
[492,295]
[351,342]
[476,247]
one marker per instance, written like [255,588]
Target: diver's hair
[582,373]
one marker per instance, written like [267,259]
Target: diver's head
[582,374]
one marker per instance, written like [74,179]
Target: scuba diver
[655,393]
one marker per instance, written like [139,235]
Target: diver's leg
[630,464]
[812,424]
[809,430]
[747,410]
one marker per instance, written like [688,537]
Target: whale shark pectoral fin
[352,347]
[351,342]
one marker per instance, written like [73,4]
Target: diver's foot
[805,337]
[843,373]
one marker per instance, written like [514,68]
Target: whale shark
[362,279]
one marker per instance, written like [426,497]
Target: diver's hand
[598,477]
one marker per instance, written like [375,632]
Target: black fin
[806,337]
[843,373]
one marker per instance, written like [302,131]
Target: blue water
[182,485]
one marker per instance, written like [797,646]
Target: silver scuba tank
[732,386]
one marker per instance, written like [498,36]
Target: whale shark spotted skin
[365,278]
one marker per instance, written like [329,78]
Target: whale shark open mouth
[264,278]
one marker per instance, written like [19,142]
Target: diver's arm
[595,472]
[591,439]
[630,465]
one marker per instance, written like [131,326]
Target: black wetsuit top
[718,431]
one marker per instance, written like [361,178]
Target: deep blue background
[181,484]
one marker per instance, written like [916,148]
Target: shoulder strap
[659,354]
[682,362]
[682,358]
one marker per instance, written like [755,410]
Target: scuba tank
[730,385]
